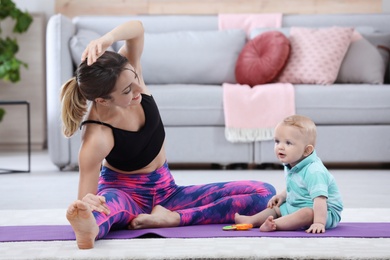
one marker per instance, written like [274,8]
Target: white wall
[47,6]
[37,6]
[386,6]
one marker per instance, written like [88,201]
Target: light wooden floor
[48,188]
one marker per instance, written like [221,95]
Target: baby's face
[290,144]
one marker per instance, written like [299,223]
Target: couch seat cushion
[338,104]
[343,104]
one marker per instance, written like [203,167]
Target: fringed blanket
[251,114]
[248,22]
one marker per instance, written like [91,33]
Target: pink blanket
[248,22]
[251,114]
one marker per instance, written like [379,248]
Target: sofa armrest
[59,68]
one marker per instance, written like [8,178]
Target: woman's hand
[96,48]
[97,203]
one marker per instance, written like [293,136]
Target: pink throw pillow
[262,58]
[316,55]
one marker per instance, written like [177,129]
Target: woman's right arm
[132,32]
[94,148]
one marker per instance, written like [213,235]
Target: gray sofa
[353,119]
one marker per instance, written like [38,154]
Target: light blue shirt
[306,181]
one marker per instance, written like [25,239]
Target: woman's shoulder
[97,137]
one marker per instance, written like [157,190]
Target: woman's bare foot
[268,225]
[83,223]
[159,217]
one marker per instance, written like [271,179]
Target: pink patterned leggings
[128,195]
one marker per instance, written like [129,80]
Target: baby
[311,199]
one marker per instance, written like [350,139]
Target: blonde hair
[305,125]
[74,107]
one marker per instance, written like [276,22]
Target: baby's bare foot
[159,217]
[83,223]
[268,225]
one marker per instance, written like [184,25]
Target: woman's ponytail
[74,107]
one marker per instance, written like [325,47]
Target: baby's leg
[297,220]
[258,219]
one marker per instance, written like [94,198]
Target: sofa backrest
[190,49]
[378,21]
[179,49]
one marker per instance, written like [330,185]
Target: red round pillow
[262,58]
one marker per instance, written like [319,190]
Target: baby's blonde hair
[305,125]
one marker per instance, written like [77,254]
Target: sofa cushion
[79,42]
[364,61]
[382,42]
[316,55]
[344,104]
[191,57]
[262,58]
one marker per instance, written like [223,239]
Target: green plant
[9,64]
[2,113]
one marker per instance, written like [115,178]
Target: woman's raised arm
[132,32]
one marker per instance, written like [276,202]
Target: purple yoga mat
[65,232]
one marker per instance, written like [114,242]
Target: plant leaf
[9,64]
[2,113]
[23,21]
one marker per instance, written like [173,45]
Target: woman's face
[127,91]
[290,144]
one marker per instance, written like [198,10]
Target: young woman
[125,181]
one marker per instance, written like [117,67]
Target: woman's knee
[114,195]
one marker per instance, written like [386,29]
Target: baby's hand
[276,200]
[316,228]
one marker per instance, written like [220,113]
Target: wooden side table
[27,104]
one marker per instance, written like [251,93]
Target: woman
[125,181]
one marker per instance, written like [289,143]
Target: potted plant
[9,63]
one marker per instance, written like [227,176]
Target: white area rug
[213,248]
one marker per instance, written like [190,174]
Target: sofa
[187,59]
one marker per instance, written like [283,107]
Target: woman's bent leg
[122,210]
[218,202]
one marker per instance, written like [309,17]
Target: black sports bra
[135,150]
